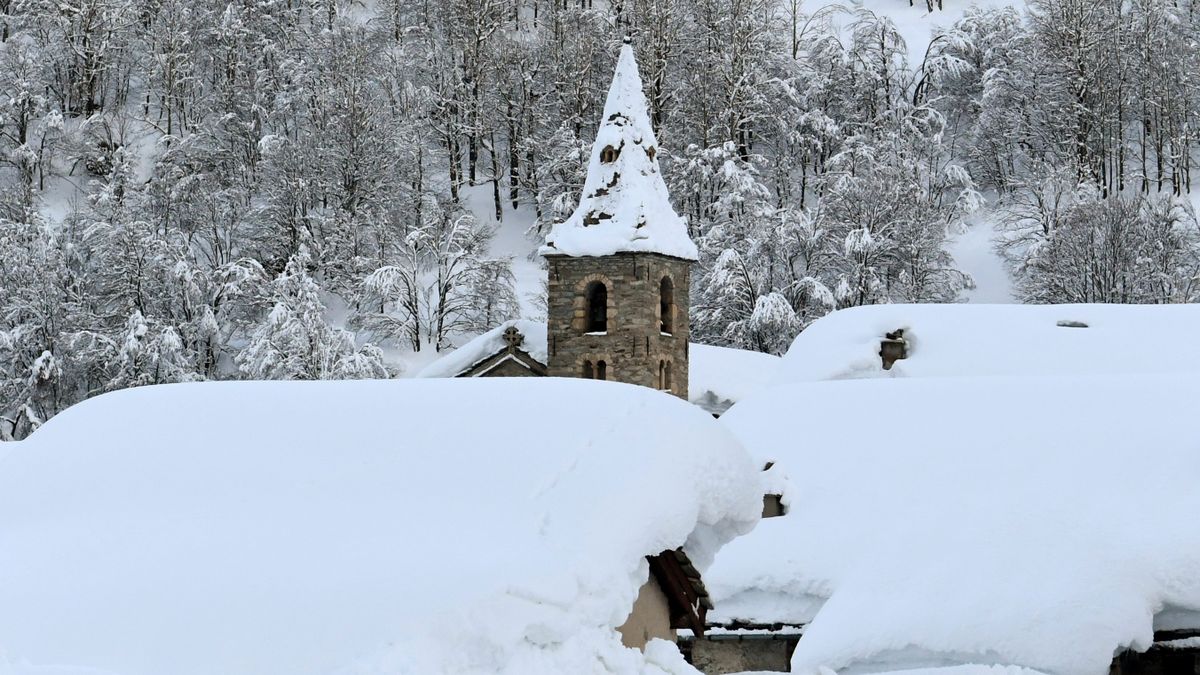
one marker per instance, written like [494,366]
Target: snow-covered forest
[312,189]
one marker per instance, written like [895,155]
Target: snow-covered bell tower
[620,266]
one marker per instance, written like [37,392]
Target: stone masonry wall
[633,346]
[720,657]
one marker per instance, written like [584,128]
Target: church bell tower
[620,266]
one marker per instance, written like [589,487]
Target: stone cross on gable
[513,338]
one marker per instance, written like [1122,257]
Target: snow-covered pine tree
[295,342]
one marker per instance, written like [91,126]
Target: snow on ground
[403,526]
[975,254]
[513,240]
[1040,522]
[962,340]
[914,21]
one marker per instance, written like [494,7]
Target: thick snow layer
[968,340]
[624,207]
[487,345]
[946,670]
[718,377]
[1040,522]
[432,526]
[732,374]
[970,669]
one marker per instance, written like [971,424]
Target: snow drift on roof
[1040,522]
[718,377]
[964,340]
[624,206]
[969,669]
[434,526]
[487,345]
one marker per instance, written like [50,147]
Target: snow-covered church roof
[1044,522]
[482,347]
[624,206]
[718,377]
[271,528]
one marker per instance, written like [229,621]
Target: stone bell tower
[620,266]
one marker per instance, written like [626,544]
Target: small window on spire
[609,154]
[651,152]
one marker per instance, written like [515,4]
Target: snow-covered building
[358,527]
[718,376]
[513,349]
[1037,522]
[986,340]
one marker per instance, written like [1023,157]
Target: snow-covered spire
[624,206]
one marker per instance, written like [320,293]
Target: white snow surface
[970,669]
[979,340]
[487,345]
[1035,522]
[975,253]
[628,195]
[404,526]
[723,376]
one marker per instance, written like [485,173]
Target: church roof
[625,207]
[477,350]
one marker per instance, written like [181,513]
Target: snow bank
[440,526]
[947,670]
[487,345]
[718,377]
[1040,522]
[969,340]
[624,205]
[966,669]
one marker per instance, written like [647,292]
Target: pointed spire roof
[624,207]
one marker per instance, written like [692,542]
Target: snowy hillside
[917,21]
